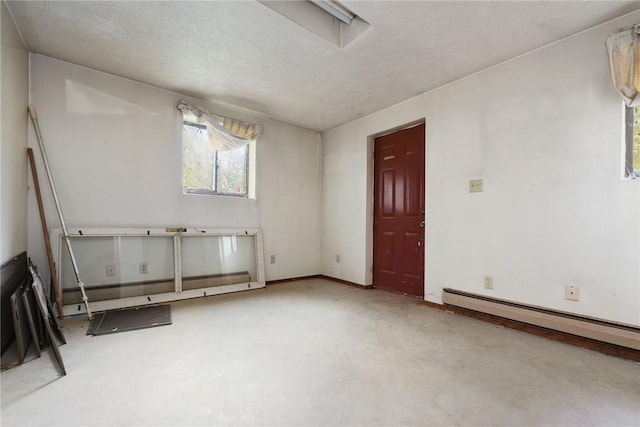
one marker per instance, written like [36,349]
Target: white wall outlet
[111,270]
[572,292]
[272,259]
[338,259]
[488,282]
[143,267]
[476,186]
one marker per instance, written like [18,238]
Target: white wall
[544,131]
[13,147]
[114,146]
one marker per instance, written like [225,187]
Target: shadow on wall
[82,99]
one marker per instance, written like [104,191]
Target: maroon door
[398,222]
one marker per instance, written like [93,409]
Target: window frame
[214,191]
[630,113]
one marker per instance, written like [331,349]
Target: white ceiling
[246,55]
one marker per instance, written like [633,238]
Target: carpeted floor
[316,352]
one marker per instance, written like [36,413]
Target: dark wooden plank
[45,233]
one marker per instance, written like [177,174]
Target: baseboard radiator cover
[619,334]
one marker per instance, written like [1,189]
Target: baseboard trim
[320,276]
[346,282]
[294,279]
[599,346]
[441,307]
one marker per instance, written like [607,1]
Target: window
[206,170]
[218,153]
[632,143]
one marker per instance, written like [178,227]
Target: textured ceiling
[246,55]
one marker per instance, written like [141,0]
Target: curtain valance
[224,133]
[624,59]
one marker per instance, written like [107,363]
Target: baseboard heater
[587,327]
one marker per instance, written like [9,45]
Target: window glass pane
[217,260]
[117,267]
[198,160]
[232,171]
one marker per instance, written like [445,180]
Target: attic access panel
[127,267]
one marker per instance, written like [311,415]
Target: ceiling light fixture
[336,10]
[327,19]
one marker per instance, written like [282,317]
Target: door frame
[370,190]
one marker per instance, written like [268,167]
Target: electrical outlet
[143,268]
[272,259]
[338,259]
[572,292]
[476,186]
[488,282]
[111,270]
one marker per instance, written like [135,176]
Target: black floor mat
[130,319]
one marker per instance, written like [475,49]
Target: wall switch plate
[476,186]
[488,282]
[143,268]
[572,292]
[272,259]
[111,270]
